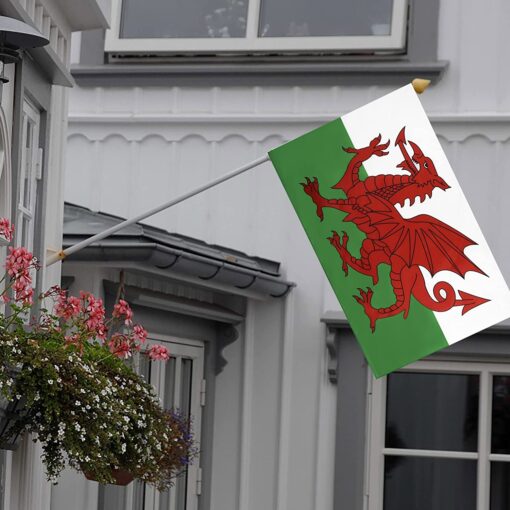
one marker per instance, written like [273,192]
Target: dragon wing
[423,240]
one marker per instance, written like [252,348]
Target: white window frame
[252,43]
[31,164]
[5,173]
[376,452]
[194,350]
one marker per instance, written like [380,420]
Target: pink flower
[67,307]
[25,294]
[74,340]
[120,346]
[101,331]
[19,262]
[6,229]
[158,352]
[139,334]
[122,310]
[94,311]
[56,290]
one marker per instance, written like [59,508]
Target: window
[164,26]
[30,173]
[179,383]
[439,438]
[5,167]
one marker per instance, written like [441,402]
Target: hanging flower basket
[75,390]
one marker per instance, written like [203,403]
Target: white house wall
[131,148]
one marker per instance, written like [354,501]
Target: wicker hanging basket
[121,477]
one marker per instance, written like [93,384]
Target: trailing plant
[83,401]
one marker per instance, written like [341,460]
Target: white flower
[50,381]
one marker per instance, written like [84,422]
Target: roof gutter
[176,262]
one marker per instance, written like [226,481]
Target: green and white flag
[393,231]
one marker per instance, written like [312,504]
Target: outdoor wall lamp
[16,36]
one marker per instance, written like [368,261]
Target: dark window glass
[501,414]
[186,380]
[301,18]
[432,411]
[168,401]
[183,18]
[500,486]
[429,484]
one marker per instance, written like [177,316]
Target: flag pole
[419,85]
[62,254]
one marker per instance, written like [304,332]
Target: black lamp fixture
[16,36]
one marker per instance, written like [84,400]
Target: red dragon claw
[380,149]
[311,188]
[365,300]
[334,239]
[375,141]
[375,148]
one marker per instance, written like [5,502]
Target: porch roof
[172,253]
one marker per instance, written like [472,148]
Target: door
[179,383]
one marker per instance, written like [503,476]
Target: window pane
[144,366]
[501,414]
[500,486]
[186,379]
[26,200]
[168,400]
[432,411]
[183,18]
[301,18]
[426,484]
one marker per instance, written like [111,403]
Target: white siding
[130,148]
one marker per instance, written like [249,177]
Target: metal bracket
[227,334]
[332,354]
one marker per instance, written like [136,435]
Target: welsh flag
[393,231]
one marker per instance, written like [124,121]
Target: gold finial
[420,84]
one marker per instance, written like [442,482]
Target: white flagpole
[62,254]
[419,86]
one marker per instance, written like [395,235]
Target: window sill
[247,72]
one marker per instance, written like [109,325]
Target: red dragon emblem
[404,244]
